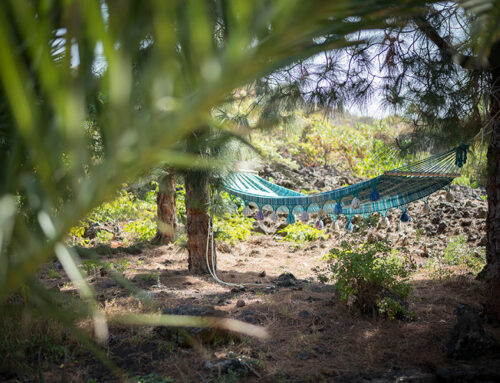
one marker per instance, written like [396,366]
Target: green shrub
[137,215]
[232,228]
[142,230]
[457,254]
[122,265]
[301,232]
[94,267]
[366,276]
[104,236]
[393,309]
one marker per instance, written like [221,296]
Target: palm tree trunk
[166,212]
[197,223]
[492,270]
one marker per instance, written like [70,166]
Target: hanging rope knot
[461,155]
[260,215]
[349,226]
[319,224]
[374,195]
[404,217]
[337,209]
[304,217]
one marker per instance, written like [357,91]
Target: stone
[249,316]
[262,274]
[466,223]
[279,227]
[304,314]
[254,253]
[304,355]
[319,183]
[259,228]
[286,280]
[425,252]
[240,303]
[481,214]
[225,366]
[441,228]
[482,241]
[417,378]
[468,338]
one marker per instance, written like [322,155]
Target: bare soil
[313,336]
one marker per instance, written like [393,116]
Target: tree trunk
[197,223]
[492,270]
[166,212]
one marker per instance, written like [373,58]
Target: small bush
[138,217]
[457,255]
[232,228]
[301,232]
[372,277]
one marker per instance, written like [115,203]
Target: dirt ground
[313,336]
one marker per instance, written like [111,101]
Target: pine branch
[447,50]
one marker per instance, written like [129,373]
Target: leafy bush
[232,228]
[142,230]
[138,217]
[363,149]
[371,277]
[301,232]
[459,255]
[377,159]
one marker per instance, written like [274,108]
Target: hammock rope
[393,189]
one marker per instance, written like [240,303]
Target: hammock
[393,189]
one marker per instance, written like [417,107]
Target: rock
[489,372]
[466,223]
[319,183]
[468,338]
[371,237]
[417,378]
[323,289]
[259,228]
[240,303]
[223,247]
[249,316]
[224,366]
[425,252]
[481,214]
[254,253]
[262,274]
[482,241]
[304,354]
[184,336]
[441,228]
[238,289]
[286,280]
[304,314]
[279,227]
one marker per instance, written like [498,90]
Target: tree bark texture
[197,223]
[166,211]
[492,271]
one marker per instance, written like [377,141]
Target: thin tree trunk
[197,223]
[166,212]
[492,270]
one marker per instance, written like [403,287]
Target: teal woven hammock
[393,189]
